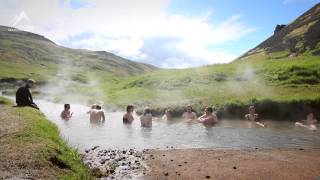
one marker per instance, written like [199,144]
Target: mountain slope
[29,52]
[284,68]
[300,36]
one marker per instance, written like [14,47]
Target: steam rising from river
[73,84]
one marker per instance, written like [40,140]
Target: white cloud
[123,26]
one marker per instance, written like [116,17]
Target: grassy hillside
[300,36]
[31,148]
[248,81]
[28,55]
[65,71]
[285,69]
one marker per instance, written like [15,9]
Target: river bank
[234,164]
[31,147]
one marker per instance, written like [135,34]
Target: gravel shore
[234,164]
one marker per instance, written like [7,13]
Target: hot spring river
[229,134]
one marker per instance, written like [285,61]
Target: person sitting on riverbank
[146,118]
[24,95]
[189,114]
[167,115]
[66,114]
[209,117]
[97,114]
[128,117]
[309,123]
[253,116]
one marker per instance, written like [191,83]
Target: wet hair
[31,81]
[169,110]
[189,106]
[129,107]
[210,109]
[66,106]
[251,107]
[146,111]
[98,107]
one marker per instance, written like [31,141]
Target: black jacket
[24,96]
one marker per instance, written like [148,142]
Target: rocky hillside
[300,36]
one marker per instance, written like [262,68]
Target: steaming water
[230,134]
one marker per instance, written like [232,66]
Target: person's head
[310,116]
[129,108]
[30,83]
[168,112]
[189,108]
[146,111]
[252,109]
[66,106]
[94,106]
[98,107]
[208,110]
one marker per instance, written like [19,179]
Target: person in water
[253,116]
[97,114]
[146,118]
[189,114]
[209,117]
[93,107]
[309,123]
[167,115]
[128,117]
[66,113]
[24,95]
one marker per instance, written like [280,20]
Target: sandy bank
[234,164]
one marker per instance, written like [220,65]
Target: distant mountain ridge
[30,48]
[300,36]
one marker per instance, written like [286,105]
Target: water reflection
[146,132]
[96,123]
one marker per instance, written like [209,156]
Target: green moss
[301,30]
[279,54]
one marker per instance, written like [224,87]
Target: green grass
[5,101]
[296,77]
[20,70]
[40,147]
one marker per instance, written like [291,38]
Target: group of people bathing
[208,117]
[24,98]
[96,113]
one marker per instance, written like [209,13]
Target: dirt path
[234,164]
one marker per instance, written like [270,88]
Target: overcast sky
[165,33]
